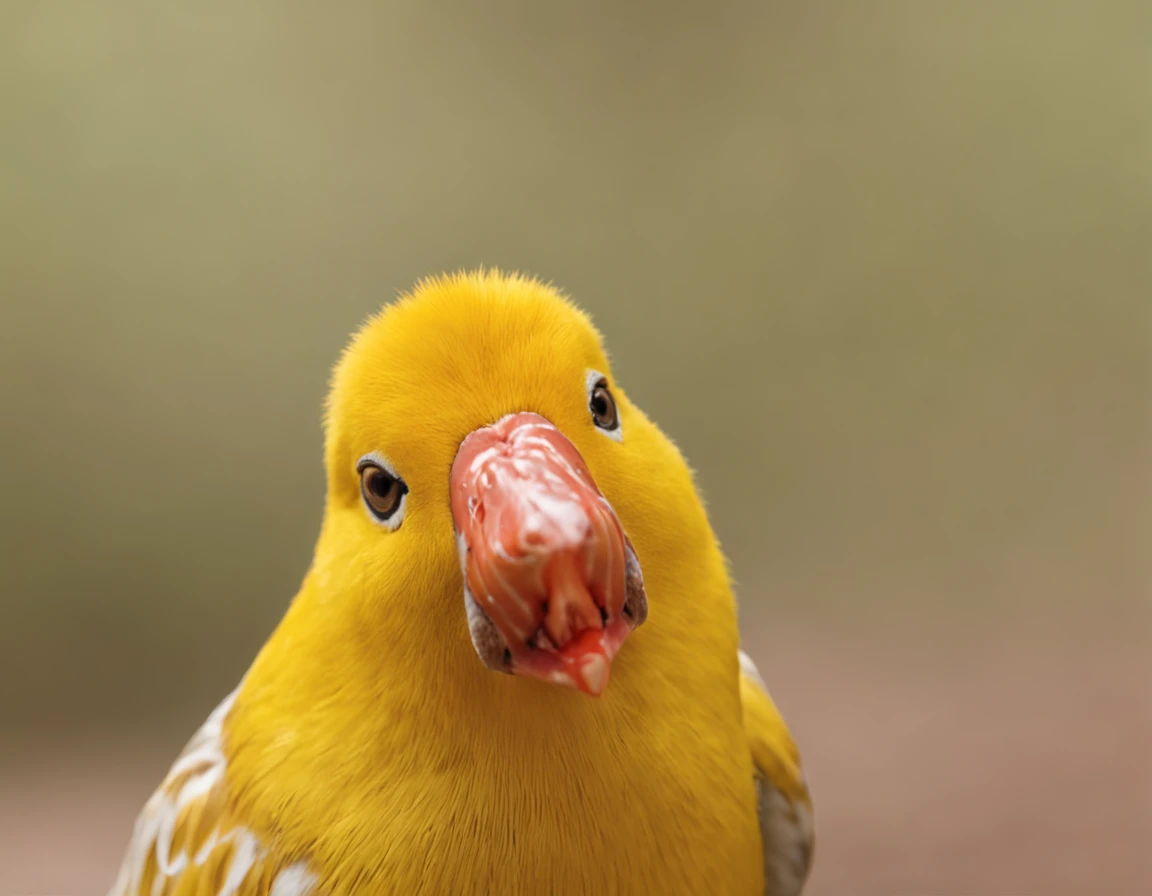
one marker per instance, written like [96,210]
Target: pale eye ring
[384,493]
[602,405]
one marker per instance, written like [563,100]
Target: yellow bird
[495,504]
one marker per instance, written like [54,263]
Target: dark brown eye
[603,407]
[383,492]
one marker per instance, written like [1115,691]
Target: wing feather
[186,840]
[786,824]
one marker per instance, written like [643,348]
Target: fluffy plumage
[369,751]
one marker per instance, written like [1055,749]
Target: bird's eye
[603,407]
[383,492]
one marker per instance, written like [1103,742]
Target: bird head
[481,457]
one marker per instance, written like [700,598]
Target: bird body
[368,751]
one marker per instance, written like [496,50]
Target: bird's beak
[551,583]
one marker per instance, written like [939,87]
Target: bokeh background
[881,269]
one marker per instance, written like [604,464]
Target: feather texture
[785,806]
[369,751]
[187,840]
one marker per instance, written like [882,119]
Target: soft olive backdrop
[881,269]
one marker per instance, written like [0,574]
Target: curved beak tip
[593,676]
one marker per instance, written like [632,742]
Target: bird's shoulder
[187,838]
[785,806]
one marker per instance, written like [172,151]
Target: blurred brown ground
[943,762]
[882,270]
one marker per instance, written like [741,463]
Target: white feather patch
[749,668]
[295,880]
[202,764]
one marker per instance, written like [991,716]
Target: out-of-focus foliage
[880,268]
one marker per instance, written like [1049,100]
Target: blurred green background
[882,269]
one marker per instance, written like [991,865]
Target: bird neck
[351,716]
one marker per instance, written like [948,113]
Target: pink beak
[546,563]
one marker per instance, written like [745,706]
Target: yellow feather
[368,739]
[773,749]
[785,803]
